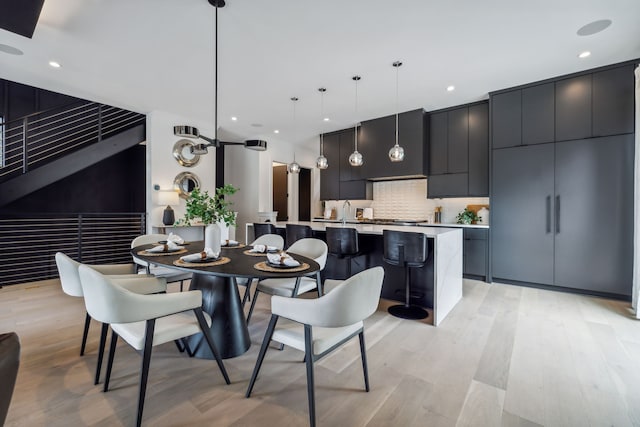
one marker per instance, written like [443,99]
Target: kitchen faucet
[344,211]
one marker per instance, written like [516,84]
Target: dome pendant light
[396,154]
[355,159]
[322,162]
[294,167]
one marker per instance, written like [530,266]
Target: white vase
[212,237]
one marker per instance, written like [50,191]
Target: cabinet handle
[548,211]
[557,214]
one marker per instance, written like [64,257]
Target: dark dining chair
[260,229]
[296,232]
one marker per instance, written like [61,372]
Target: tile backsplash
[407,199]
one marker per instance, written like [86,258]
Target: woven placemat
[145,253]
[263,266]
[248,252]
[238,246]
[181,263]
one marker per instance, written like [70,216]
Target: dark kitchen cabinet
[538,114]
[521,214]
[347,145]
[475,251]
[459,150]
[573,108]
[612,103]
[506,119]
[378,137]
[594,212]
[479,150]
[356,190]
[330,177]
[561,214]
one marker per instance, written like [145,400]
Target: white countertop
[422,224]
[374,228]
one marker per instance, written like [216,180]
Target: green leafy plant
[210,209]
[467,217]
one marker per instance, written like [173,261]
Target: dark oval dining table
[220,296]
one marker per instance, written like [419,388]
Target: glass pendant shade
[355,159]
[322,162]
[294,167]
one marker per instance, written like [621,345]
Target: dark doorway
[280,194]
[304,195]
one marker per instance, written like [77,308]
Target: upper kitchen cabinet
[573,108]
[506,119]
[459,152]
[612,105]
[347,145]
[330,177]
[379,135]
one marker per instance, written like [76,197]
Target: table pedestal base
[229,330]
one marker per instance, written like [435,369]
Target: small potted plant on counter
[467,217]
[211,211]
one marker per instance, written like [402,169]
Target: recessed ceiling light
[594,27]
[451,88]
[276,131]
[10,50]
[54,64]
[234,118]
[326,119]
[584,54]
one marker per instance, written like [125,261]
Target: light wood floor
[506,356]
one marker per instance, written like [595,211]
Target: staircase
[45,147]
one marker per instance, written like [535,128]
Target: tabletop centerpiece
[211,211]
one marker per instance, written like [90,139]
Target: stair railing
[38,138]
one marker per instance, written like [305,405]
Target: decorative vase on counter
[212,237]
[483,213]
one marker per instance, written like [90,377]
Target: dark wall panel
[116,184]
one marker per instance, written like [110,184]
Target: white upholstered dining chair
[274,240]
[144,321]
[170,274]
[70,281]
[319,326]
[312,248]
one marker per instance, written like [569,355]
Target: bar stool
[408,250]
[343,244]
[296,232]
[260,229]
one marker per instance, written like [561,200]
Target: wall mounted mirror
[183,155]
[185,183]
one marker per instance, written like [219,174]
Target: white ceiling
[158,54]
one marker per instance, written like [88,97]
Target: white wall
[162,168]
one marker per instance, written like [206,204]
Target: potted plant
[467,217]
[211,211]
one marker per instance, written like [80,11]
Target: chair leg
[319,284]
[296,287]
[263,350]
[181,283]
[112,355]
[146,361]
[103,340]
[308,347]
[207,336]
[180,346]
[363,354]
[253,304]
[87,322]
[185,344]
[247,292]
[348,266]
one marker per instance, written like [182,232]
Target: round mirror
[185,183]
[183,155]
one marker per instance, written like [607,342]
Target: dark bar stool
[343,244]
[260,229]
[408,250]
[9,362]
[296,232]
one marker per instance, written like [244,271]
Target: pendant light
[322,162]
[355,159]
[396,154]
[294,167]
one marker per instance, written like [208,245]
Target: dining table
[217,280]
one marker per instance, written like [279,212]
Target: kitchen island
[439,281]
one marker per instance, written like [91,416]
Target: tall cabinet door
[594,188]
[521,204]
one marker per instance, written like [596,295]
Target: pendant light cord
[355,127]
[321,118]
[216,78]
[397,111]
